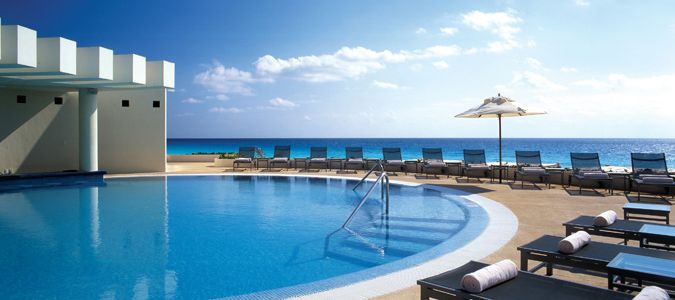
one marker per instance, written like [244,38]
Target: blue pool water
[615,152]
[189,237]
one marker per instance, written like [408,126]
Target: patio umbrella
[498,107]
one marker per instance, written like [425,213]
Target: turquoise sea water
[614,152]
[203,237]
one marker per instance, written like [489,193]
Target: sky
[346,68]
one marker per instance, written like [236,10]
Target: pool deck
[539,211]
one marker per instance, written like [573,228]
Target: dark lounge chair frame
[650,163]
[588,162]
[474,157]
[628,230]
[525,286]
[594,257]
[429,154]
[530,159]
[393,154]
[354,152]
[318,152]
[281,151]
[245,152]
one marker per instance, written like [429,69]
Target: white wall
[39,135]
[132,139]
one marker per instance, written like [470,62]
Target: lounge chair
[392,159]
[529,166]
[246,156]
[586,167]
[282,156]
[628,230]
[318,156]
[474,163]
[525,286]
[594,256]
[651,169]
[432,159]
[354,159]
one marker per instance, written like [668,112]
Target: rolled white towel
[489,276]
[574,242]
[652,293]
[605,219]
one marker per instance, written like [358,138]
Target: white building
[64,107]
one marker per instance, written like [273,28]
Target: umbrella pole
[500,147]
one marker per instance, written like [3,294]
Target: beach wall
[133,138]
[38,135]
[191,157]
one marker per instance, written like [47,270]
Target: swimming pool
[219,236]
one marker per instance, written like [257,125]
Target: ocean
[614,152]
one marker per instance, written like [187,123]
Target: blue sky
[390,68]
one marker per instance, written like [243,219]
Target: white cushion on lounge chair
[643,176]
[533,170]
[478,167]
[480,280]
[659,179]
[605,219]
[652,293]
[318,159]
[595,175]
[354,161]
[280,159]
[395,162]
[574,242]
[243,159]
[435,163]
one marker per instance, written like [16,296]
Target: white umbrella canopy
[495,107]
[498,107]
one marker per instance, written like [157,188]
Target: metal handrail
[381,167]
[384,179]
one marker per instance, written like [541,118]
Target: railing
[376,166]
[383,179]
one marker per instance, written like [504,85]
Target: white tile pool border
[501,227]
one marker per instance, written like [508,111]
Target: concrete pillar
[88,130]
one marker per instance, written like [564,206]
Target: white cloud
[441,65]
[280,102]
[642,99]
[470,51]
[534,63]
[217,78]
[221,97]
[346,63]
[532,80]
[416,67]
[449,30]
[385,85]
[421,30]
[192,101]
[221,110]
[568,70]
[592,83]
[502,24]
[185,114]
[624,82]
[582,2]
[308,118]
